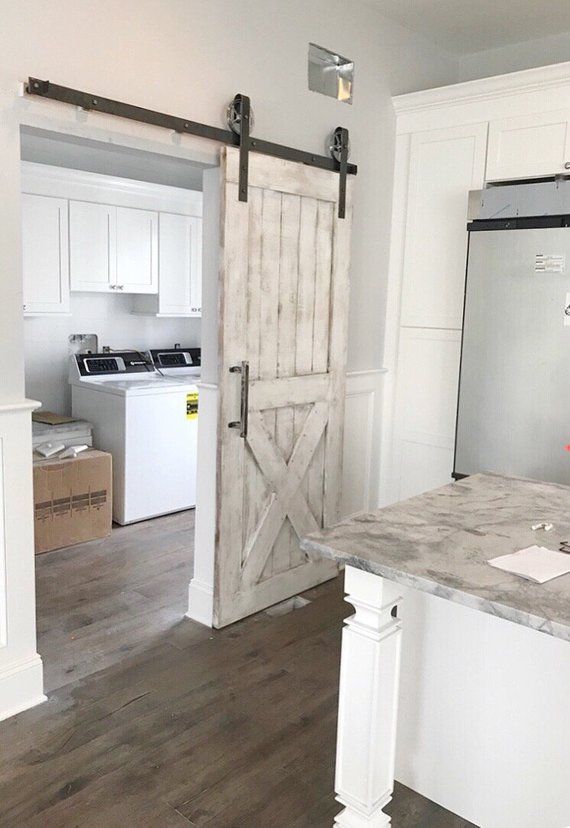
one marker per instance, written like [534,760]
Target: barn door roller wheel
[340,150]
[240,121]
[233,115]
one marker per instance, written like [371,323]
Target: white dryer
[177,361]
[144,419]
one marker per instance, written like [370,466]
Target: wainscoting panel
[3,596]
[21,674]
[361,441]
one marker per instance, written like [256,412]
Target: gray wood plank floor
[153,720]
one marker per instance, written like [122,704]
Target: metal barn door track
[239,118]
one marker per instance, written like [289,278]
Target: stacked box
[72,500]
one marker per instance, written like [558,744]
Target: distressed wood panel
[278,313]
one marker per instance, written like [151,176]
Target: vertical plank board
[285,417]
[305,316]
[306,287]
[340,289]
[233,318]
[321,334]
[269,307]
[255,490]
[323,275]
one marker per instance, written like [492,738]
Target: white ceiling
[467,26]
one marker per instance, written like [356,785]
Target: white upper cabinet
[529,146]
[97,233]
[444,165]
[45,255]
[179,268]
[136,250]
[91,246]
[180,265]
[113,248]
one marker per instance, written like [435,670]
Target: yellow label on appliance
[192,405]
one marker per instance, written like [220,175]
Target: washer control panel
[177,357]
[107,365]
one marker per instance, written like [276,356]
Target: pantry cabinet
[449,141]
[45,260]
[113,248]
[444,165]
[529,146]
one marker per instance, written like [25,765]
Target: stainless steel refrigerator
[513,411]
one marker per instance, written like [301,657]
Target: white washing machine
[148,421]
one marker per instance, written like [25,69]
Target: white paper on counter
[535,563]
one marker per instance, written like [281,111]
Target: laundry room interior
[112,265]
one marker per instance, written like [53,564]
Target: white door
[92,246]
[284,301]
[179,261]
[45,255]
[136,250]
[529,146]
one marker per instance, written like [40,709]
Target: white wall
[190,57]
[108,316]
[540,52]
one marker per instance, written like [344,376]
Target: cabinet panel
[444,166]
[45,254]
[426,407]
[137,250]
[178,241]
[196,275]
[529,146]
[91,246]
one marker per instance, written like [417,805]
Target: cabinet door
[175,264]
[426,404]
[45,255]
[137,250]
[196,276]
[529,146]
[444,165]
[91,246]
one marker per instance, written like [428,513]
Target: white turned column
[368,702]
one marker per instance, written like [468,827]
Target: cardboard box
[72,500]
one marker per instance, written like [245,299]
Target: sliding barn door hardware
[238,135]
[240,120]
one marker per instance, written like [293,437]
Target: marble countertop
[440,543]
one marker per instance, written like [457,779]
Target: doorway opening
[112,255]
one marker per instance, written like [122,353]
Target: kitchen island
[485,662]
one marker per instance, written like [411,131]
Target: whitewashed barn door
[283,304]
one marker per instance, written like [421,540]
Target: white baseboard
[200,603]
[21,686]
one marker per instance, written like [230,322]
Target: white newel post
[368,703]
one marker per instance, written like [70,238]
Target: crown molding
[484,89]
[64,182]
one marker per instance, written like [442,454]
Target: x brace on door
[247,144]
[287,500]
